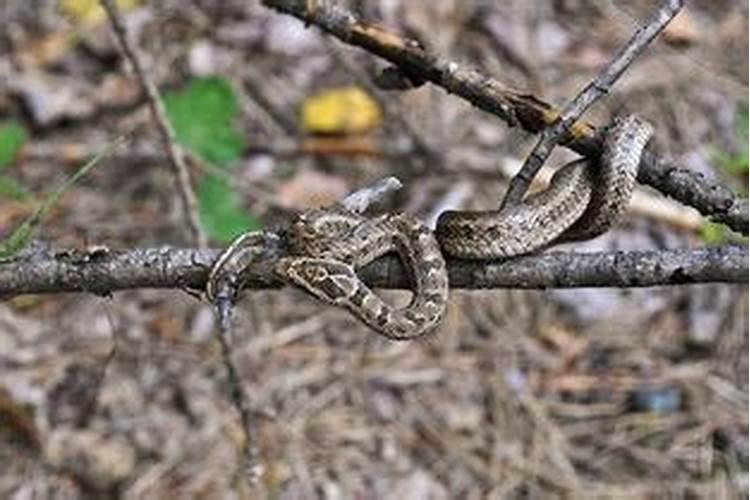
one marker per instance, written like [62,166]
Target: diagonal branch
[515,107]
[103,271]
[174,151]
[598,87]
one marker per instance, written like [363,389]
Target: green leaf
[13,190]
[742,124]
[733,164]
[737,164]
[12,137]
[202,115]
[20,237]
[741,159]
[221,213]
[713,233]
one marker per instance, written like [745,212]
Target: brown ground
[586,393]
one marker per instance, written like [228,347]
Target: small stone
[100,461]
[50,99]
[290,37]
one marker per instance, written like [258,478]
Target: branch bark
[595,89]
[514,107]
[103,271]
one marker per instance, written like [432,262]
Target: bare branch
[516,108]
[598,87]
[241,401]
[104,271]
[174,151]
[360,200]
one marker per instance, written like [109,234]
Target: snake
[324,247]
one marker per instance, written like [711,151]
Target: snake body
[582,201]
[326,246]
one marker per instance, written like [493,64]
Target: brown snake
[324,247]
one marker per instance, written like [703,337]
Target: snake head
[316,232]
[328,280]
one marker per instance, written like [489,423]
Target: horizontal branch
[103,271]
[517,108]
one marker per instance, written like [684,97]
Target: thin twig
[190,207]
[598,87]
[516,107]
[250,450]
[360,200]
[103,271]
[174,151]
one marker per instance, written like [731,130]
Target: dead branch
[595,89]
[515,107]
[101,271]
[174,151]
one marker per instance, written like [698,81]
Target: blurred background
[613,393]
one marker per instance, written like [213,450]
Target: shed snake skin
[324,247]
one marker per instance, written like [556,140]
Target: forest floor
[607,393]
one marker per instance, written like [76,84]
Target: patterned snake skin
[324,249]
[581,202]
[326,246]
[334,242]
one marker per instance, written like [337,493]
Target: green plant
[736,165]
[12,138]
[21,236]
[202,115]
[220,210]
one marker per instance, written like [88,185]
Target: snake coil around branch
[325,247]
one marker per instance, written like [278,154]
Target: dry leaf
[683,30]
[46,50]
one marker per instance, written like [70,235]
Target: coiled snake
[324,247]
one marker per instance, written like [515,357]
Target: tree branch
[174,151]
[598,87]
[103,271]
[516,108]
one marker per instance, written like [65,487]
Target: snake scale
[324,247]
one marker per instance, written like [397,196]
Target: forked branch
[515,107]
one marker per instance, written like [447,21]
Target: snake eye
[314,273]
[320,274]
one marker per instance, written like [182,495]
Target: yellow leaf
[90,11]
[344,110]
